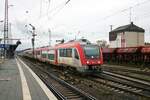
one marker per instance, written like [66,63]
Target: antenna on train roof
[61,41]
[83,41]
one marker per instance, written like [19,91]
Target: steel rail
[127,78]
[52,87]
[107,78]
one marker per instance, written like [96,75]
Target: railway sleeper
[73,94]
[62,89]
[122,87]
[66,90]
[121,92]
[77,97]
[138,91]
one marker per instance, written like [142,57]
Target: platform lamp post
[6,26]
[33,38]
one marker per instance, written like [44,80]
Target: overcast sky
[81,18]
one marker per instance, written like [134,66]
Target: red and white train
[80,55]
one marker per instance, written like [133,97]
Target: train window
[65,52]
[69,52]
[91,52]
[44,55]
[76,54]
[51,56]
[61,53]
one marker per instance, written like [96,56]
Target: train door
[76,58]
[56,56]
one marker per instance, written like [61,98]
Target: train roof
[68,44]
[73,43]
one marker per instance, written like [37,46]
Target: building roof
[129,28]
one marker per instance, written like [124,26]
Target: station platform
[19,82]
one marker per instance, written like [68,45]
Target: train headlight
[87,62]
[99,62]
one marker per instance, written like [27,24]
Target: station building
[126,36]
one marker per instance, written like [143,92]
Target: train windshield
[91,52]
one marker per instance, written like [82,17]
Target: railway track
[136,71]
[126,87]
[60,88]
[123,84]
[132,75]
[126,77]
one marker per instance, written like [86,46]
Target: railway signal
[33,38]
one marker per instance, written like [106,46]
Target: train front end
[92,59]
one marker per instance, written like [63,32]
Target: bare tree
[102,43]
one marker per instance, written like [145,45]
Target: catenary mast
[5,27]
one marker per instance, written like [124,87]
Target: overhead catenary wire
[125,9]
[49,2]
[53,12]
[59,6]
[119,12]
[122,11]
